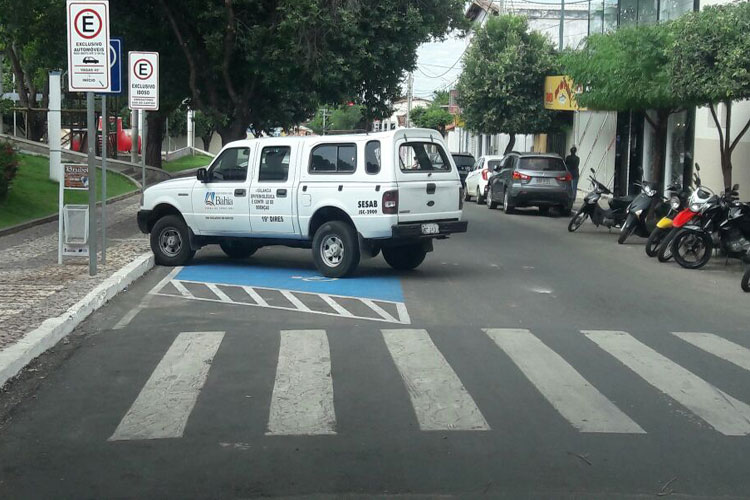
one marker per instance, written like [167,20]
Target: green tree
[710,65]
[501,87]
[628,70]
[433,116]
[268,64]
[32,34]
[339,118]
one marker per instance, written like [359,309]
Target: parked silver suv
[531,179]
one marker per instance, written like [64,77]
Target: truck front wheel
[405,258]
[170,241]
[335,249]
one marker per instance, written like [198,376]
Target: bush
[8,168]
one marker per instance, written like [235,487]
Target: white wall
[707,152]
[594,135]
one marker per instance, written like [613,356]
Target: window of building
[231,165]
[647,11]
[610,15]
[628,12]
[422,157]
[672,9]
[372,157]
[333,158]
[274,164]
[596,17]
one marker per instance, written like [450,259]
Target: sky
[434,61]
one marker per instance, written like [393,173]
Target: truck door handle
[239,192]
[281,193]
[431,188]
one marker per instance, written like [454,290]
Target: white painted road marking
[215,289]
[295,301]
[381,312]
[439,398]
[255,296]
[718,346]
[302,401]
[569,393]
[335,305]
[181,288]
[163,406]
[130,315]
[720,410]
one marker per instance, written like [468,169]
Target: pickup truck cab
[344,196]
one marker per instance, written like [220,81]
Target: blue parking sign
[115,65]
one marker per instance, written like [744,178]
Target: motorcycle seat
[621,202]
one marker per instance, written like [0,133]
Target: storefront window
[647,11]
[596,17]
[610,15]
[672,9]
[628,12]
[679,160]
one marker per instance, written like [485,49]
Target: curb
[36,342]
[50,218]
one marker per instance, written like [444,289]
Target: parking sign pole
[105,143]
[92,180]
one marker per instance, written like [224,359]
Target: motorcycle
[665,225]
[724,222]
[646,207]
[614,216]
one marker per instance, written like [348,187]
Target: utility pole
[325,115]
[562,24]
[409,92]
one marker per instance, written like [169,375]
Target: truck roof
[407,133]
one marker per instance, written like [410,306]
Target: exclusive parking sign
[88,46]
[143,83]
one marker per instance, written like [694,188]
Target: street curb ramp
[51,331]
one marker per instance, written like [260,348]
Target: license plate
[430,229]
[543,180]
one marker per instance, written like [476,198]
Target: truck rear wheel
[405,258]
[238,249]
[170,241]
[335,249]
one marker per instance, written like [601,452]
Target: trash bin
[76,224]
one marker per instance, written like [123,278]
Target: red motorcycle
[693,210]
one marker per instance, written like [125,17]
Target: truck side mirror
[202,175]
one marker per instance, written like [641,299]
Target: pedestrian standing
[572,161]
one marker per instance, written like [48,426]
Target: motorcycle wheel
[577,220]
[627,229]
[692,250]
[746,281]
[664,252]
[654,240]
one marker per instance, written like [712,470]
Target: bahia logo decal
[218,201]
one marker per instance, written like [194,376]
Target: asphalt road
[519,361]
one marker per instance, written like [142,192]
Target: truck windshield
[422,157]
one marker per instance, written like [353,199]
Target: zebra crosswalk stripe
[302,399]
[719,347]
[720,410]
[163,406]
[438,397]
[568,392]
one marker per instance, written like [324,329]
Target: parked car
[476,181]
[531,179]
[345,197]
[464,164]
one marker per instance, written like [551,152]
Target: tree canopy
[433,116]
[270,63]
[710,64]
[501,87]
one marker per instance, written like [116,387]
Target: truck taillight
[485,174]
[518,176]
[390,202]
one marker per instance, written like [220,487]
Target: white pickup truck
[345,196]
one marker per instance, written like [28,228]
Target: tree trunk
[726,157]
[236,130]
[207,141]
[37,125]
[156,121]
[511,143]
[661,128]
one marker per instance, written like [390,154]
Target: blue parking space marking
[297,280]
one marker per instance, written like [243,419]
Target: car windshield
[542,164]
[463,162]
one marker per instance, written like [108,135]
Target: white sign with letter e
[143,81]
[88,46]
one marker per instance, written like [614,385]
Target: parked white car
[344,196]
[476,181]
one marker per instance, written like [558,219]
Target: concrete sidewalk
[35,289]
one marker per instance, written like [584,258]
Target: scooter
[612,217]
[663,227]
[647,208]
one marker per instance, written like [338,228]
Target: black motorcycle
[725,223]
[645,211]
[614,216]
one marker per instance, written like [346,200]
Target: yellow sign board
[560,94]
